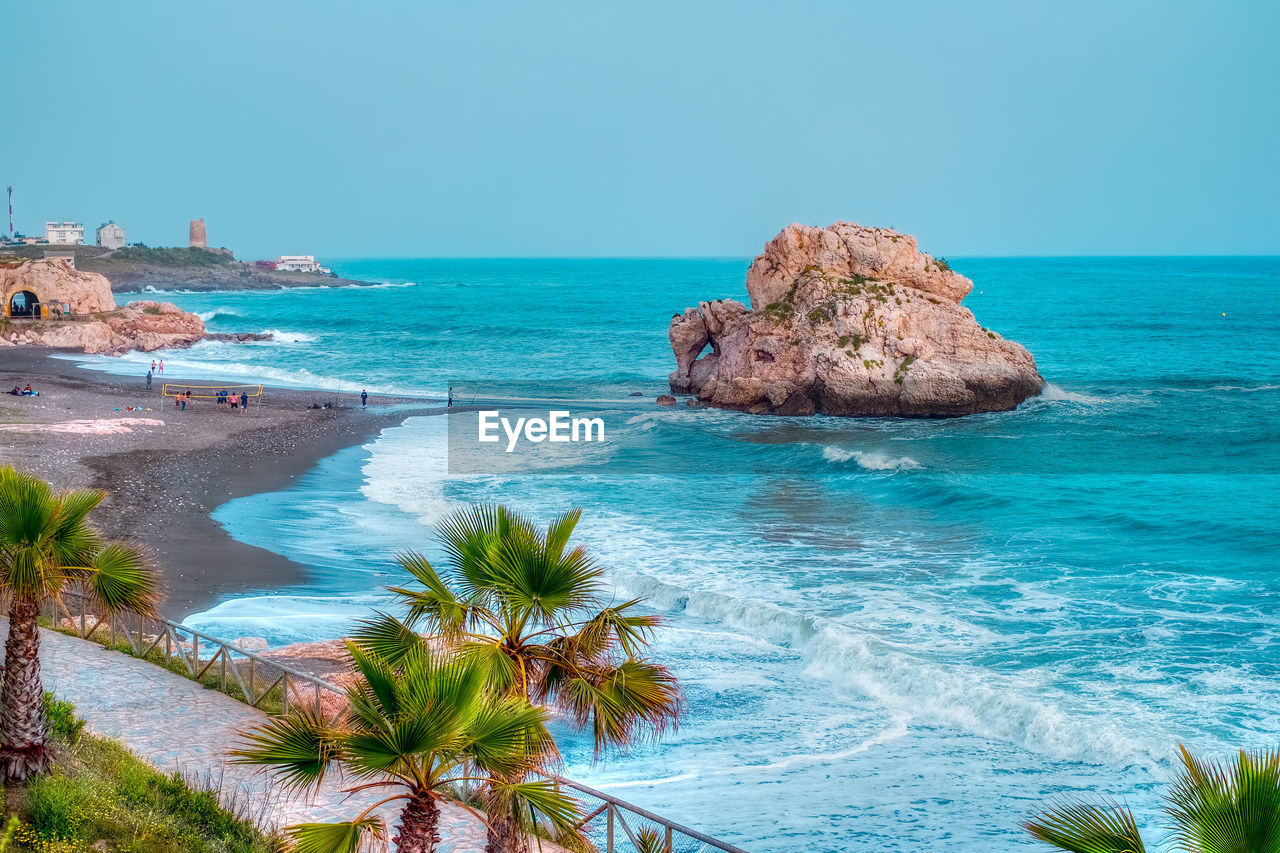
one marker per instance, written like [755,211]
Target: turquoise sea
[893,635]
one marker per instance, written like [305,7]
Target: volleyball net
[209,392]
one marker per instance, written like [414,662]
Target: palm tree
[1215,808]
[532,609]
[47,543]
[424,727]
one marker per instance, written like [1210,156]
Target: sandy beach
[166,470]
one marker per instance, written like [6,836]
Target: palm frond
[531,580]
[545,804]
[503,674]
[509,737]
[386,637]
[614,625]
[560,530]
[297,747]
[622,703]
[435,604]
[374,698]
[1086,828]
[122,578]
[72,537]
[335,837]
[1227,807]
[470,537]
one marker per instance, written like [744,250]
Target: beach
[165,470]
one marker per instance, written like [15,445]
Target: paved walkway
[178,726]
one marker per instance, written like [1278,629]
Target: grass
[179,256]
[100,792]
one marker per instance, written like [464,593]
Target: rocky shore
[80,313]
[848,320]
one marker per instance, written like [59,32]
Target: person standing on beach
[148,380]
[153,365]
[244,402]
[450,404]
[364,398]
[162,366]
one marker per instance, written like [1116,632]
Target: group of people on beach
[223,398]
[24,392]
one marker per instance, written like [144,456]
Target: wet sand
[165,470]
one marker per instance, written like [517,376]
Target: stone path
[178,726]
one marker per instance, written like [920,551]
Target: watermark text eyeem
[558,426]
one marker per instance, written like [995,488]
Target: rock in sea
[848,320]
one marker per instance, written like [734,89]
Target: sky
[512,128]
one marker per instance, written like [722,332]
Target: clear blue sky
[604,128]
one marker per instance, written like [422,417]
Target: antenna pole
[10,214]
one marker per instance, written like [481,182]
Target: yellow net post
[209,392]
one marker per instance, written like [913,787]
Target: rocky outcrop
[94,324]
[848,320]
[56,284]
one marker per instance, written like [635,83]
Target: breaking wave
[871,461]
[289,337]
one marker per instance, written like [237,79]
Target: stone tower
[198,239]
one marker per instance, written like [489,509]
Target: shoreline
[166,471]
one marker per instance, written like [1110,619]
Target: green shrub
[62,720]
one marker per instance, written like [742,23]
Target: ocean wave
[871,461]
[184,364]
[283,337]
[973,699]
[206,316]
[1053,393]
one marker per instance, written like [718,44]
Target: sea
[892,635]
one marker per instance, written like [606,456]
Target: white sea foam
[180,366]
[870,460]
[972,699]
[283,337]
[206,316]
[1054,393]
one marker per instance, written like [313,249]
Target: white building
[111,235]
[64,233]
[300,263]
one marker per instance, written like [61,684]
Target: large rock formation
[849,320]
[55,283]
[94,323]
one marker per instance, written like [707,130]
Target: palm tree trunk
[419,825]
[504,834]
[23,751]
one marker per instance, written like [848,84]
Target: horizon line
[751,257]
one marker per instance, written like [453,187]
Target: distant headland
[135,268]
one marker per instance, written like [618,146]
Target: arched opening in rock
[24,303]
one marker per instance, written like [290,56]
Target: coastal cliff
[134,269]
[848,320]
[95,324]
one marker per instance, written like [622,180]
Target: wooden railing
[213,661]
